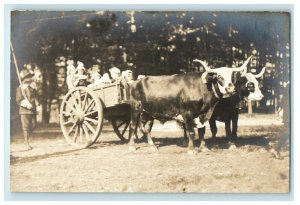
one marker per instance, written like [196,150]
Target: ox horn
[244,66]
[244,72]
[208,69]
[261,73]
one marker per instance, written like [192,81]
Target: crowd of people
[80,76]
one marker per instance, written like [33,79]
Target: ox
[188,95]
[227,111]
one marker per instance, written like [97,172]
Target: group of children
[79,76]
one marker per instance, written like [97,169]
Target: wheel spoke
[84,101]
[70,106]
[76,134]
[68,122]
[71,129]
[125,128]
[120,126]
[122,123]
[74,101]
[86,132]
[91,120]
[79,99]
[94,111]
[90,127]
[80,133]
[89,106]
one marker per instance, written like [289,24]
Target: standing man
[25,98]
[285,139]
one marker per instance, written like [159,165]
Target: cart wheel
[121,127]
[81,117]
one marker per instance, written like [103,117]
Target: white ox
[251,78]
[224,75]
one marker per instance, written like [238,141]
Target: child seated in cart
[76,76]
[115,74]
[99,82]
[127,76]
[81,75]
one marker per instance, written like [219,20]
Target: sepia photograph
[154,101]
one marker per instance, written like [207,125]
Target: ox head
[253,85]
[224,76]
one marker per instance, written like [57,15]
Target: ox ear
[207,77]
[204,77]
[244,72]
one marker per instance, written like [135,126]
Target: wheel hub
[79,117]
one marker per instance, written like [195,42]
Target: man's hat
[25,73]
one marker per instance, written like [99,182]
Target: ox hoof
[153,148]
[203,149]
[185,143]
[275,153]
[232,146]
[132,148]
[192,152]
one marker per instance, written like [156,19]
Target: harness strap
[216,90]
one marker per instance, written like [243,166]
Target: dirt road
[109,166]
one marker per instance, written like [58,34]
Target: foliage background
[150,43]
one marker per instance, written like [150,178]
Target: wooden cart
[83,109]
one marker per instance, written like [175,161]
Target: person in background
[286,105]
[127,75]
[285,109]
[25,98]
[29,68]
[71,71]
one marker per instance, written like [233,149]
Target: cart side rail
[113,94]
